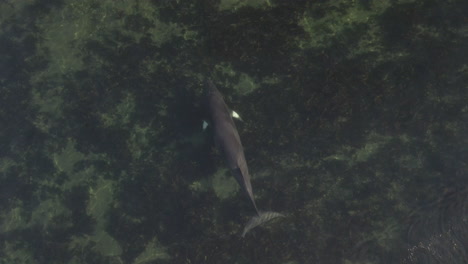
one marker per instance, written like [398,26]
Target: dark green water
[355,127]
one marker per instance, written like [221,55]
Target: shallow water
[354,127]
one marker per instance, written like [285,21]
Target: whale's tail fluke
[259,219]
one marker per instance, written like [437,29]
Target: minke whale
[227,139]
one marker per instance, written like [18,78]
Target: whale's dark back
[227,138]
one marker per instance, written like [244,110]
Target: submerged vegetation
[355,128]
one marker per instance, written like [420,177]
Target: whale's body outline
[227,139]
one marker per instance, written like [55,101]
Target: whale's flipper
[236,115]
[259,219]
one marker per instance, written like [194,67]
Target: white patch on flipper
[236,115]
[205,125]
